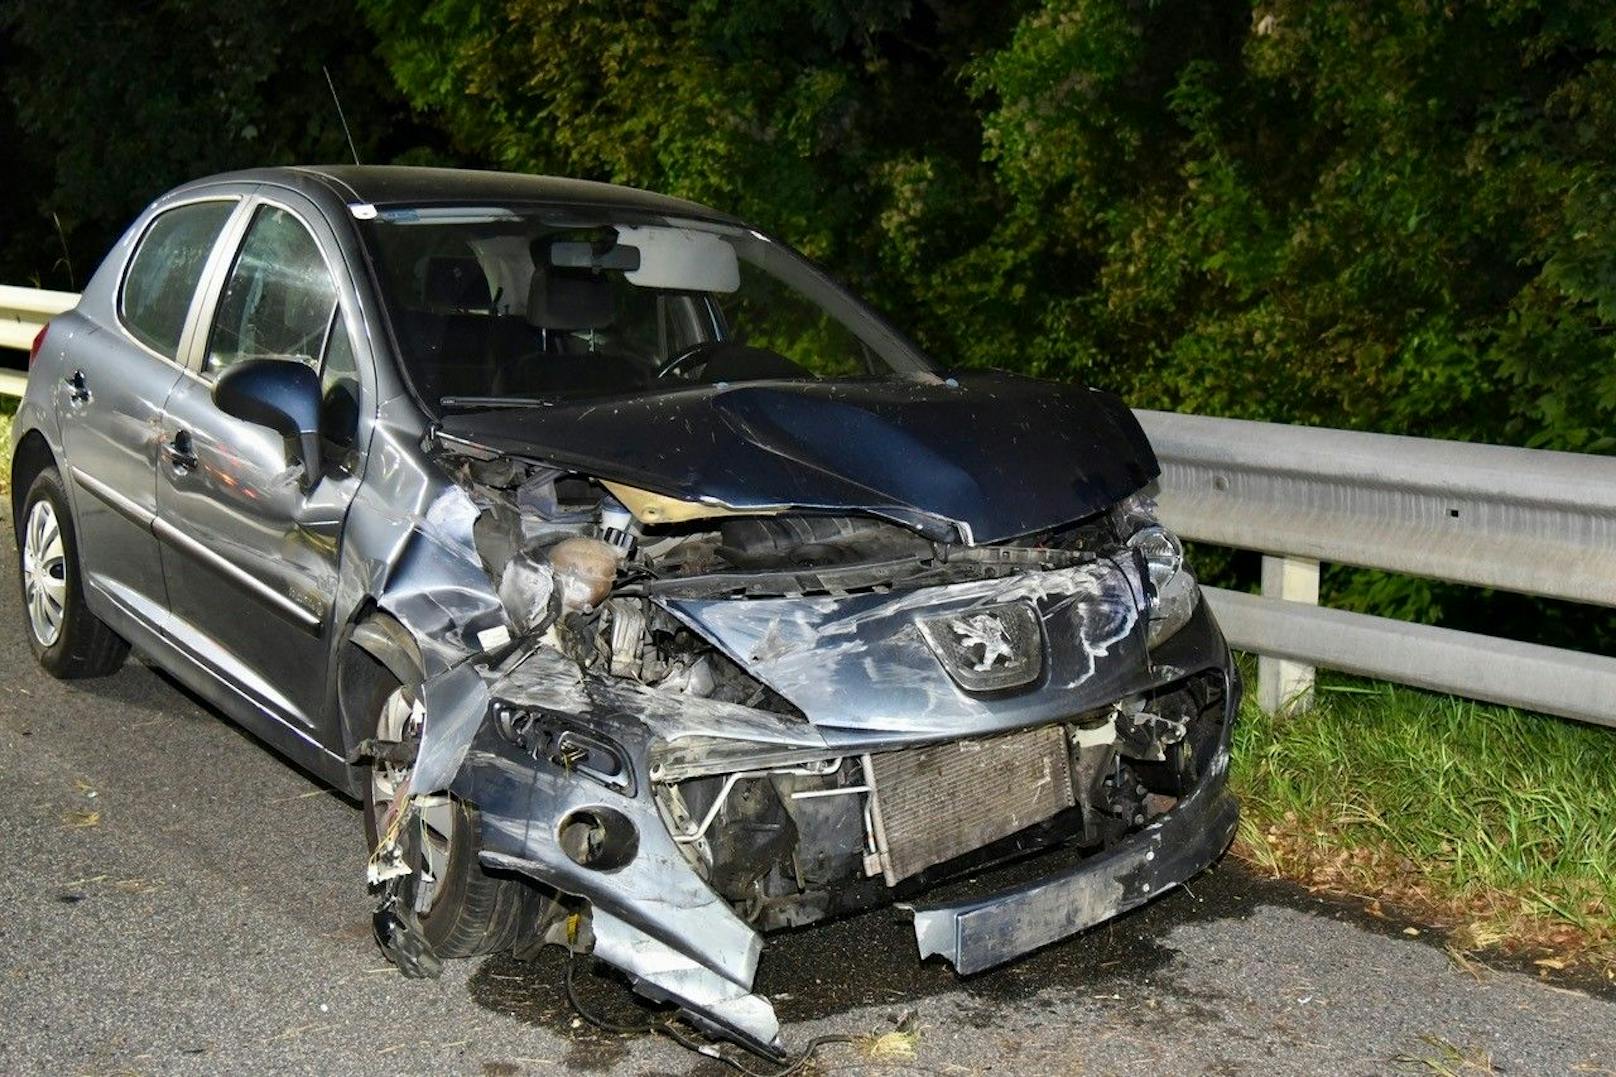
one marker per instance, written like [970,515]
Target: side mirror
[282,394]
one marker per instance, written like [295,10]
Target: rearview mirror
[566,254]
[282,394]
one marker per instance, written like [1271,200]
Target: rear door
[111,400]
[251,543]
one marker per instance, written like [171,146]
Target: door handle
[78,390]
[177,450]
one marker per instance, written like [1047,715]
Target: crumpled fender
[654,917]
[438,589]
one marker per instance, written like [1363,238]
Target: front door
[112,398]
[250,541]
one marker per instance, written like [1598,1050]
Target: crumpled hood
[995,456]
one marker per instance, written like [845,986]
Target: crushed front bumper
[981,933]
[658,921]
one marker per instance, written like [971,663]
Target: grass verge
[1490,822]
[8,408]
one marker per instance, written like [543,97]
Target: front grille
[935,803]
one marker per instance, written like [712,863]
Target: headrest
[569,299]
[457,283]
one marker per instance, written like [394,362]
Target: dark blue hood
[993,458]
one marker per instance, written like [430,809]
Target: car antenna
[338,102]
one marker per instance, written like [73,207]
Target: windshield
[503,306]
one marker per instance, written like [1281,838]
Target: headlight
[1164,554]
[1173,592]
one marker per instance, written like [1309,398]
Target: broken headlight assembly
[1173,591]
[546,739]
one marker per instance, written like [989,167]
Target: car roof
[384,185]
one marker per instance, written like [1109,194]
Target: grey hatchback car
[650,590]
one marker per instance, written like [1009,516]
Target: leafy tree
[1386,214]
[1393,214]
[119,102]
[1390,215]
[843,126]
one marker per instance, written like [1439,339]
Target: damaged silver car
[652,592]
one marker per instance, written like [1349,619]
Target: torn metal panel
[524,802]
[550,680]
[662,905]
[666,975]
[456,702]
[527,588]
[409,551]
[861,662]
[439,589]
[452,707]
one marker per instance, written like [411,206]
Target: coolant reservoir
[584,568]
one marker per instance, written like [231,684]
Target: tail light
[39,342]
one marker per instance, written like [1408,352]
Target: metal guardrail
[1540,523]
[1526,520]
[22,312]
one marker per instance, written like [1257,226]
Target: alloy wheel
[44,573]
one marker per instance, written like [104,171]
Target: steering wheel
[690,354]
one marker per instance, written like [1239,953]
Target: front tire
[68,640]
[463,911]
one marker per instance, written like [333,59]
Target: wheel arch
[377,645]
[32,456]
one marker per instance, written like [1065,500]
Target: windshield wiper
[471,403]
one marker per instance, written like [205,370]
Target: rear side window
[165,270]
[279,301]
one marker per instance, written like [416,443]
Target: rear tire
[68,640]
[467,912]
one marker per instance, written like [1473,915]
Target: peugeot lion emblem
[987,648]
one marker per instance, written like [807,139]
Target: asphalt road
[176,899]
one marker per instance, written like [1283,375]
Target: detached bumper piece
[979,934]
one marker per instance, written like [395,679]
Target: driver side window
[279,300]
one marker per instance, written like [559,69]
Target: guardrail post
[1284,685]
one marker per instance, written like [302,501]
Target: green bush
[1387,216]
[1393,215]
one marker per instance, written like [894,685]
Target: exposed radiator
[932,804]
